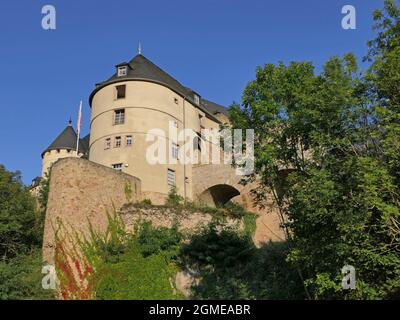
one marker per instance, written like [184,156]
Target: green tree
[327,149]
[44,192]
[384,77]
[21,233]
[17,216]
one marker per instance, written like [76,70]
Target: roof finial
[140,48]
[70,121]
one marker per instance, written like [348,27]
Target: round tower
[62,147]
[125,110]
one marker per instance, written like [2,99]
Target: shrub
[235,210]
[174,199]
[154,240]
[137,277]
[21,278]
[231,267]
[146,269]
[146,202]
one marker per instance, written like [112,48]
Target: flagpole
[78,128]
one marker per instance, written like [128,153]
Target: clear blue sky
[212,46]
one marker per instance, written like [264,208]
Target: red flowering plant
[78,258]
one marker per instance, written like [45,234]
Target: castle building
[125,109]
[138,107]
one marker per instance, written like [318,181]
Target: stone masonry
[81,192]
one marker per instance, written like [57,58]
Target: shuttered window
[171,177]
[121,91]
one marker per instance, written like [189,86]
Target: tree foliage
[18,233]
[328,150]
[21,233]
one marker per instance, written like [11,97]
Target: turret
[62,147]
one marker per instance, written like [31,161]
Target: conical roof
[66,140]
[141,68]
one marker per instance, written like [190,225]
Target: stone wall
[81,192]
[212,177]
[188,221]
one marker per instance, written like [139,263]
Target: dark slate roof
[66,140]
[214,108]
[35,182]
[141,68]
[84,143]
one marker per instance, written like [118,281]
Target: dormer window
[122,71]
[196,99]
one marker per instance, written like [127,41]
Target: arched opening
[218,195]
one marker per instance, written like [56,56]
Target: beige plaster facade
[147,106]
[145,111]
[51,156]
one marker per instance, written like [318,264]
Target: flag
[78,128]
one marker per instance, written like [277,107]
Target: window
[122,71]
[117,142]
[196,99]
[107,144]
[128,141]
[171,177]
[174,150]
[121,91]
[176,100]
[119,116]
[201,119]
[117,166]
[197,142]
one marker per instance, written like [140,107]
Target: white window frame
[128,138]
[122,71]
[117,166]
[175,150]
[196,99]
[107,144]
[117,139]
[119,116]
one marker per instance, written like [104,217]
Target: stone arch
[218,195]
[215,184]
[219,183]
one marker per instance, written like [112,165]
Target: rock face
[81,193]
[185,280]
